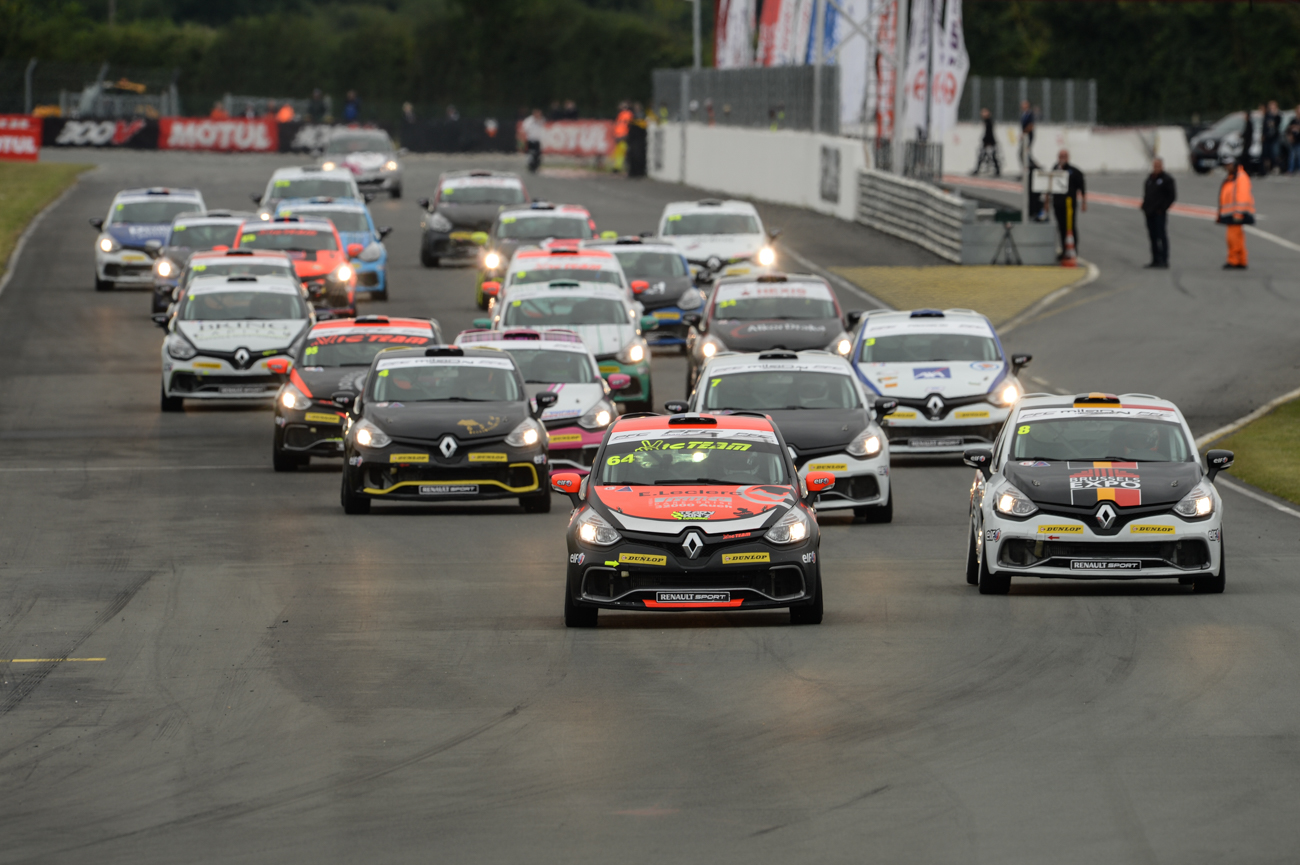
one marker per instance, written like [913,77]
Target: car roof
[452,351]
[316,223]
[776,278]
[552,338]
[201,218]
[664,422]
[214,254]
[584,288]
[544,208]
[924,320]
[636,244]
[293,172]
[564,253]
[340,131]
[159,192]
[712,205]
[322,202]
[373,321]
[1095,399]
[485,173]
[778,359]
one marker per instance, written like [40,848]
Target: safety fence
[1054,100]
[773,97]
[87,90]
[913,210]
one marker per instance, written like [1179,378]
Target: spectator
[1236,209]
[1293,142]
[316,107]
[250,113]
[621,121]
[286,114]
[352,108]
[553,113]
[270,109]
[452,113]
[1271,127]
[533,128]
[1026,152]
[1158,195]
[637,142]
[570,110]
[1067,206]
[408,112]
[988,146]
[218,112]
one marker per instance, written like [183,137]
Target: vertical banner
[783,32]
[852,60]
[886,72]
[951,63]
[921,35]
[20,138]
[733,40]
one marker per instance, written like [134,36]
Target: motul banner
[20,137]
[178,133]
[138,133]
[576,137]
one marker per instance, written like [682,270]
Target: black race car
[444,425]
[464,205]
[311,407]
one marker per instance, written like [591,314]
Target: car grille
[120,270]
[779,582]
[1189,554]
[855,488]
[972,434]
[368,278]
[188,382]
[382,477]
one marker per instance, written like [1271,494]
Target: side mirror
[691,319]
[639,285]
[491,287]
[979,458]
[1019,362]
[485,323]
[279,365]
[153,245]
[619,381]
[160,318]
[384,231]
[368,196]
[545,400]
[676,406]
[568,483]
[649,322]
[819,482]
[479,238]
[98,223]
[774,234]
[853,317]
[423,202]
[256,198]
[342,399]
[1217,461]
[355,249]
[885,406]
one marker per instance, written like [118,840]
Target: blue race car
[139,222]
[356,228]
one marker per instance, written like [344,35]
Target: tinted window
[1086,439]
[542,366]
[651,265]
[711,223]
[202,236]
[774,391]
[151,212]
[310,187]
[755,308]
[433,383]
[288,239]
[920,347]
[541,227]
[364,142]
[242,305]
[481,195]
[562,310]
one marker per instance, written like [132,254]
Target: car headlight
[292,398]
[841,345]
[1005,394]
[1014,503]
[265,217]
[108,243]
[328,166]
[711,346]
[767,256]
[368,435]
[438,222]
[598,417]
[492,261]
[865,444]
[179,347]
[1198,503]
[164,268]
[594,530]
[527,434]
[344,273]
[390,165]
[633,352]
[791,529]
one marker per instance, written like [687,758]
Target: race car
[718,238]
[954,385]
[661,280]
[191,233]
[518,227]
[232,338]
[465,204]
[533,265]
[370,155]
[445,425]
[791,311]
[556,361]
[822,410]
[693,512]
[327,376]
[233,262]
[356,227]
[600,313]
[319,258]
[1095,487]
[307,181]
[139,222]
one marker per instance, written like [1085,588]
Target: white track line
[1039,306]
[1280,241]
[1251,494]
[31,226]
[1240,422]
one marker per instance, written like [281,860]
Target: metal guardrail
[771,97]
[913,210]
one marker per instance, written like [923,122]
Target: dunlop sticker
[565,437]
[903,415]
[1060,530]
[744,558]
[829,467]
[318,417]
[970,414]
[487,458]
[641,559]
[1149,529]
[409,458]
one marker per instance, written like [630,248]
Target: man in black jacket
[1066,207]
[1158,195]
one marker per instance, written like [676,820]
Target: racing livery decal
[1095,482]
[709,504]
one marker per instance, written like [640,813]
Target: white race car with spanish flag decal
[1095,486]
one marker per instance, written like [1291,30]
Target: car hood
[324,382]
[1084,484]
[813,430]
[779,333]
[603,339]
[573,399]
[714,508]
[469,422]
[368,161]
[254,334]
[470,217]
[663,292]
[952,378]
[135,236]
[724,246]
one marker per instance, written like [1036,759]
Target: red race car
[319,257]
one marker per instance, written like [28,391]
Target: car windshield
[150,212]
[543,366]
[763,308]
[711,223]
[481,194]
[242,305]
[355,348]
[434,383]
[1100,439]
[202,236]
[567,274]
[723,461]
[928,347]
[288,239]
[541,227]
[651,265]
[774,391]
[344,220]
[1231,123]
[360,143]
[310,187]
[564,310]
[235,267]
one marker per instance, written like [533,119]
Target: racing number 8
[1024,429]
[613,461]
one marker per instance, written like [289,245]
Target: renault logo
[692,545]
[447,446]
[242,357]
[1106,516]
[934,405]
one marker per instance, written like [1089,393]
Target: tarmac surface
[282,683]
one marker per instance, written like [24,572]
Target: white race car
[1095,486]
[139,222]
[718,238]
[370,155]
[306,182]
[232,338]
[954,385]
[824,413]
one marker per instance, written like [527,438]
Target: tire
[537,503]
[1214,585]
[427,258]
[809,612]
[353,503]
[576,616]
[170,403]
[102,284]
[877,513]
[972,560]
[282,460]
[991,583]
[336,296]
[395,192]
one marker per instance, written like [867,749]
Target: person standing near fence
[1026,136]
[988,146]
[534,127]
[1236,209]
[1293,142]
[1158,195]
[1067,206]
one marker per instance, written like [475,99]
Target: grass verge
[1268,452]
[26,188]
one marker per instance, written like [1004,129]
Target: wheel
[1213,585]
[576,616]
[427,258]
[972,560]
[171,403]
[395,192]
[282,460]
[809,612]
[336,296]
[991,583]
[878,513]
[352,502]
[538,503]
[102,284]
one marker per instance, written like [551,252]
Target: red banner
[20,137]
[202,133]
[576,137]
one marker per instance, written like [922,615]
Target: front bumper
[858,482]
[203,377]
[401,472]
[124,267]
[457,243]
[573,449]
[909,432]
[372,276]
[639,389]
[671,330]
[317,431]
[385,180]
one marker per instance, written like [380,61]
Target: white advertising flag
[951,63]
[733,45]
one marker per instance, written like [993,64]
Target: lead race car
[692,512]
[1095,486]
[370,155]
[953,382]
[465,204]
